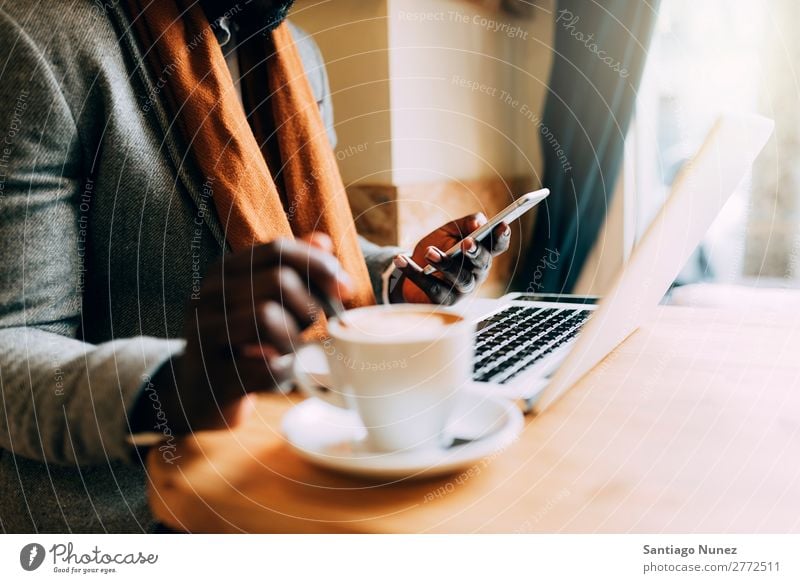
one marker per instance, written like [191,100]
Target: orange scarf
[180,47]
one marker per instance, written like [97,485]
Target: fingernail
[472,248]
[506,231]
[344,283]
[433,255]
[335,267]
[345,278]
[344,288]
[400,262]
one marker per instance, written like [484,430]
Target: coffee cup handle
[312,386]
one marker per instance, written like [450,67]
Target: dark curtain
[600,50]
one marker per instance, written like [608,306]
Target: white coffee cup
[401,368]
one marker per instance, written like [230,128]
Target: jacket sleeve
[62,400]
[378,259]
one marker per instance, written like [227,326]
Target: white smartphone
[511,213]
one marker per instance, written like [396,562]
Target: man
[172,222]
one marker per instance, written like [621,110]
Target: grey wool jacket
[105,230]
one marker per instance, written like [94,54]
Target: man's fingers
[296,297]
[280,284]
[267,324]
[478,220]
[499,240]
[290,281]
[435,255]
[245,345]
[278,327]
[260,369]
[461,228]
[478,256]
[459,271]
[319,240]
[317,266]
[437,290]
[247,260]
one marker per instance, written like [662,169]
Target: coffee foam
[395,326]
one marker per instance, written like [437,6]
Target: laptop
[536,350]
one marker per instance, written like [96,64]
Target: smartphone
[511,213]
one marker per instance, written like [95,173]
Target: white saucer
[334,438]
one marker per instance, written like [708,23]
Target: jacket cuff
[136,383]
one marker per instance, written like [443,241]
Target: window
[708,57]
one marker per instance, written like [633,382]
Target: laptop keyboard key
[517,338]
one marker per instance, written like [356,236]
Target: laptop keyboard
[515,339]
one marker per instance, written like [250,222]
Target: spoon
[333,307]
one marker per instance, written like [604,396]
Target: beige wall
[404,116]
[353,36]
[454,80]
[433,104]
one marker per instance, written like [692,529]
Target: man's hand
[455,277]
[250,311]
